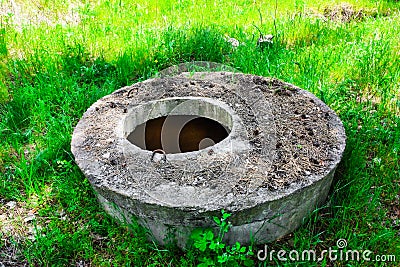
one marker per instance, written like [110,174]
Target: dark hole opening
[178,133]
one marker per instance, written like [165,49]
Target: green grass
[51,73]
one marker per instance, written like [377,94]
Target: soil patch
[346,13]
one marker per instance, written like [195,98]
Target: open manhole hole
[259,148]
[178,134]
[194,125]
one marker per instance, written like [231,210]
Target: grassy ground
[57,58]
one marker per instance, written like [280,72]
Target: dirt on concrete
[301,142]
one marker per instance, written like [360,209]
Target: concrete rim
[265,194]
[128,178]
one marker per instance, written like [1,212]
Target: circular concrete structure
[174,151]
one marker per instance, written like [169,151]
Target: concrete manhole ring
[270,169]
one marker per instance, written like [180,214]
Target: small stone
[8,229]
[106,155]
[61,212]
[11,205]
[234,42]
[31,230]
[29,218]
